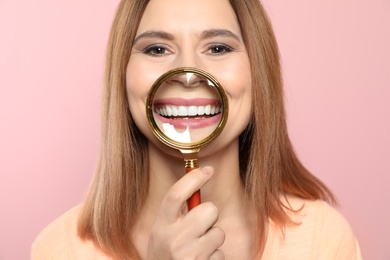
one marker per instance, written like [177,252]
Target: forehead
[188,15]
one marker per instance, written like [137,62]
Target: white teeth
[192,111]
[207,110]
[212,111]
[188,110]
[201,110]
[174,111]
[182,111]
[169,111]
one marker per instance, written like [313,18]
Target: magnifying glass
[187,108]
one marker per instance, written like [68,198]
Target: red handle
[194,200]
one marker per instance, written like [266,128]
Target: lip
[186,101]
[192,121]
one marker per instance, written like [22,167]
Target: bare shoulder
[60,240]
[55,237]
[66,222]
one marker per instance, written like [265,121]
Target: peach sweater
[322,234]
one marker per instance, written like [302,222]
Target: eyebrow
[154,34]
[203,35]
[219,33]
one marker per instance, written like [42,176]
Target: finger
[201,218]
[217,255]
[211,241]
[178,194]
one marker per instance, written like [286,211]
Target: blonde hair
[269,166]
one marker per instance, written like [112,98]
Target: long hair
[269,167]
[121,181]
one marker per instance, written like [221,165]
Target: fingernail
[208,170]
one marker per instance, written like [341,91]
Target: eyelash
[155,50]
[159,50]
[223,49]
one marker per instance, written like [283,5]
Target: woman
[258,199]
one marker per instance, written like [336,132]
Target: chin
[164,149]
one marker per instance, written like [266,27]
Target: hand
[192,235]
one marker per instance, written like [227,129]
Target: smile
[194,113]
[171,111]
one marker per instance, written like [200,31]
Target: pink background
[336,60]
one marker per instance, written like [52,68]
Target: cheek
[138,84]
[139,80]
[239,88]
[241,104]
[237,82]
[140,76]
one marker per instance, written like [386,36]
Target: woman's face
[184,33]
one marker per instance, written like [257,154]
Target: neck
[225,189]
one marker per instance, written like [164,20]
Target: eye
[219,49]
[156,50]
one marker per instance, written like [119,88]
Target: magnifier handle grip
[194,200]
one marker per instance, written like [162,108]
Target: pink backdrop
[336,59]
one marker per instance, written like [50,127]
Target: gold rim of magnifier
[163,137]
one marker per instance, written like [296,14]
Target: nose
[188,79]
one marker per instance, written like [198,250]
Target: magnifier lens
[187,107]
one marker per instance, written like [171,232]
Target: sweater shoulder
[319,231]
